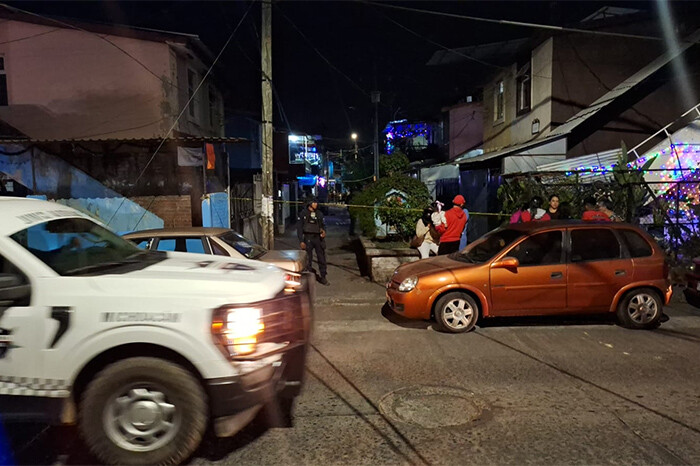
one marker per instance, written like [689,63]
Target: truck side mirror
[13,290]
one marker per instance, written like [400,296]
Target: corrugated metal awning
[592,166]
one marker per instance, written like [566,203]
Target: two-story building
[116,103]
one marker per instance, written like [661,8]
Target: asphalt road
[381,390]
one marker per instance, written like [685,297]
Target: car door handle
[556,275]
[620,273]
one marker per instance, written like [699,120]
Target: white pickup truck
[142,349]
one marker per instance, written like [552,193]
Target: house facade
[117,104]
[103,82]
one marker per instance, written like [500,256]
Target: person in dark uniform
[312,232]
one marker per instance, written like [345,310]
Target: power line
[30,37]
[318,52]
[451,50]
[513,23]
[186,106]
[72,26]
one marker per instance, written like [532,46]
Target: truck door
[22,327]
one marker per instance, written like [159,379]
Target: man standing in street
[456,223]
[312,232]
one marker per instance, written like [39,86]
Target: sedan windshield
[243,245]
[78,246]
[488,246]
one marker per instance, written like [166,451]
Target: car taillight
[237,329]
[292,282]
[667,269]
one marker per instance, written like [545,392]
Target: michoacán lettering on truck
[171,317]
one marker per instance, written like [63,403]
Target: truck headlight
[238,329]
[408,284]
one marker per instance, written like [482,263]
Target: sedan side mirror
[13,291]
[506,263]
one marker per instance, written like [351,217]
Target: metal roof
[510,149]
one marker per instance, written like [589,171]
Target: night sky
[362,41]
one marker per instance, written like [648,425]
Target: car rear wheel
[456,312]
[143,411]
[640,309]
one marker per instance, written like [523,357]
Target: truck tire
[143,411]
[641,308]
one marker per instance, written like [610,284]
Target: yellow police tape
[332,204]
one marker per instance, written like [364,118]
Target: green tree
[401,215]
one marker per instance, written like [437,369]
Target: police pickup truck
[142,349]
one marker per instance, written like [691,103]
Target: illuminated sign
[302,149]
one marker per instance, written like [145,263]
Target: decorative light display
[418,132]
[677,179]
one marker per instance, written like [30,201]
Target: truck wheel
[143,411]
[640,309]
[456,313]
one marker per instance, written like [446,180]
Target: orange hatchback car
[537,269]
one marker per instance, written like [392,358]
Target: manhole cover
[431,407]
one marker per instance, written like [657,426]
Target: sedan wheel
[456,313]
[640,309]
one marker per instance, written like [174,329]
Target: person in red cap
[456,222]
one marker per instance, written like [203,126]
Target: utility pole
[375,101]
[268,231]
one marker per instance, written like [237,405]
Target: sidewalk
[346,282]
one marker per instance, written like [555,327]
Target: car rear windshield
[488,246]
[243,245]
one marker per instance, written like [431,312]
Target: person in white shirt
[426,230]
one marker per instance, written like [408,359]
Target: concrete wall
[466,128]
[586,67]
[516,129]
[65,83]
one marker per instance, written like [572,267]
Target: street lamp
[353,136]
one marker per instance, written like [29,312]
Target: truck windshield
[78,246]
[487,246]
[243,245]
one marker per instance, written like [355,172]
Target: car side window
[166,244]
[194,245]
[216,249]
[182,244]
[539,249]
[636,244]
[593,244]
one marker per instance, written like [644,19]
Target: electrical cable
[451,50]
[29,37]
[318,52]
[72,26]
[513,23]
[186,105]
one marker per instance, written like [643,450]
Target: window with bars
[523,90]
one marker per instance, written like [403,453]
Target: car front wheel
[143,411]
[456,312]
[640,309]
